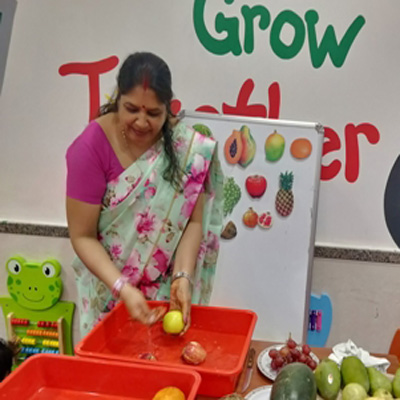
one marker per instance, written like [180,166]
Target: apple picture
[256,185]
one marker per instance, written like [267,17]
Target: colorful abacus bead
[28,341]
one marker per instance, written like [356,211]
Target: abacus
[36,337]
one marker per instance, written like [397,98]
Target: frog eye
[14,267]
[48,270]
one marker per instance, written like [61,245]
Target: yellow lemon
[169,393]
[173,322]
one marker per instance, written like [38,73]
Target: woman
[143,202]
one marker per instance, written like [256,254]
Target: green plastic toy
[35,290]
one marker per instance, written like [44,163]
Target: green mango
[354,371]
[396,384]
[378,380]
[327,377]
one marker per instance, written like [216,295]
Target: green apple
[173,322]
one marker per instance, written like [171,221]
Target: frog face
[33,285]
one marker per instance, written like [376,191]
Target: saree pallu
[143,218]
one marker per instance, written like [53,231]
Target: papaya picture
[233,147]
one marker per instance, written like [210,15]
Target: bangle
[182,274]
[118,285]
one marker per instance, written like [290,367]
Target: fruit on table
[295,382]
[173,322]
[248,147]
[354,371]
[169,393]
[194,353]
[250,218]
[327,377]
[233,147]
[301,148]
[290,353]
[232,396]
[229,231]
[274,146]
[396,384]
[354,391]
[382,394]
[232,194]
[265,220]
[256,185]
[378,380]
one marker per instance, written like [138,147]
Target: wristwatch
[182,274]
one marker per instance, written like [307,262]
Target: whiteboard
[269,270]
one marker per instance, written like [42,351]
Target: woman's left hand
[181,299]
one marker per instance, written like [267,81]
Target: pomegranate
[265,220]
[250,218]
[194,353]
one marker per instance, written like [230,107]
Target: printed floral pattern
[142,221]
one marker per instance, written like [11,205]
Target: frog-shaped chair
[35,306]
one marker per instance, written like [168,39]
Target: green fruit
[378,380]
[274,146]
[232,193]
[203,129]
[327,376]
[354,371]
[383,394]
[295,381]
[354,391]
[396,384]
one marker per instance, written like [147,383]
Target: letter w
[329,44]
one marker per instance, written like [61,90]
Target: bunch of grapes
[232,194]
[291,352]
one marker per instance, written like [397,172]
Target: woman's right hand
[137,307]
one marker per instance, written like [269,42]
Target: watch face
[7,11]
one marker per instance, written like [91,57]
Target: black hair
[7,353]
[147,69]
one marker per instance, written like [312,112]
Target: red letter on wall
[352,149]
[328,172]
[93,70]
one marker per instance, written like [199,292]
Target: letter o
[281,49]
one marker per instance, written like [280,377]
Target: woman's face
[141,115]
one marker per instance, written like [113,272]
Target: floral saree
[142,220]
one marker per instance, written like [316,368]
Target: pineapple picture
[284,200]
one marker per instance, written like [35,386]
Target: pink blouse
[91,164]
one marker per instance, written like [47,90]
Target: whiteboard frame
[320,139]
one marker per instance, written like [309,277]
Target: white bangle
[118,285]
[182,274]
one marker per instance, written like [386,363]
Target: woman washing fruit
[144,202]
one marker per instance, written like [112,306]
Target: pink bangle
[118,285]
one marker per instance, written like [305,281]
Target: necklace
[134,158]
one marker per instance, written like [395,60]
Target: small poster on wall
[7,10]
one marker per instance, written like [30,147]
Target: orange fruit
[301,148]
[169,393]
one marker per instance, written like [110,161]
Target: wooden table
[258,379]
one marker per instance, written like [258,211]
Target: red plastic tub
[225,333]
[49,377]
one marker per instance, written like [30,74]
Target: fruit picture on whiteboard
[301,148]
[265,220]
[284,200]
[274,146]
[250,218]
[232,194]
[256,185]
[240,147]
